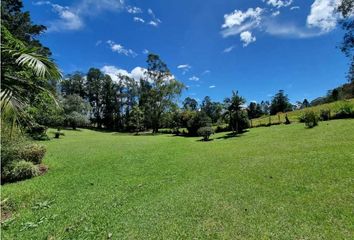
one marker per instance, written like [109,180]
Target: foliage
[33,153]
[344,110]
[196,120]
[136,122]
[76,111]
[310,119]
[190,104]
[37,132]
[20,170]
[205,132]
[75,120]
[24,74]
[254,110]
[325,114]
[280,103]
[236,116]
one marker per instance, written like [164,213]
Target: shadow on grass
[232,135]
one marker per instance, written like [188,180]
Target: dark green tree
[94,86]
[74,84]
[237,118]
[163,90]
[190,104]
[280,103]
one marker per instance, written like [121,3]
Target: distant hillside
[294,115]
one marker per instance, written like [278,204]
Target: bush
[325,114]
[310,119]
[345,110]
[37,132]
[205,132]
[9,152]
[19,171]
[33,153]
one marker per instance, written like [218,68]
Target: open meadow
[281,182]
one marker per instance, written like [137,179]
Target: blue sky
[214,46]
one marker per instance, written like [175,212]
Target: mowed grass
[294,115]
[281,182]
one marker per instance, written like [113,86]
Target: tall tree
[74,84]
[234,112]
[346,8]
[94,85]
[190,104]
[280,103]
[19,23]
[164,90]
[254,110]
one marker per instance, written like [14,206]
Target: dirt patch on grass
[42,169]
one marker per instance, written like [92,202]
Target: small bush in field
[38,132]
[345,110]
[33,153]
[310,118]
[20,170]
[205,132]
[325,114]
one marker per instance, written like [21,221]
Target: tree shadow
[232,135]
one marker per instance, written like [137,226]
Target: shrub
[325,114]
[33,153]
[310,118]
[205,132]
[37,132]
[9,152]
[19,171]
[345,110]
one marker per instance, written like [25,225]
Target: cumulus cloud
[247,38]
[323,15]
[194,78]
[238,21]
[118,48]
[137,73]
[279,3]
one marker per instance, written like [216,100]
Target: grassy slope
[294,115]
[282,182]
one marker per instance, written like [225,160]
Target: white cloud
[206,72]
[279,3]
[212,86]
[137,19]
[323,15]
[137,73]
[72,18]
[294,8]
[133,9]
[68,19]
[229,49]
[290,30]
[145,51]
[194,78]
[155,21]
[120,49]
[184,67]
[247,38]
[238,21]
[276,13]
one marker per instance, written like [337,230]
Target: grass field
[294,115]
[281,182]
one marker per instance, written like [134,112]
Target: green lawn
[294,115]
[281,182]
